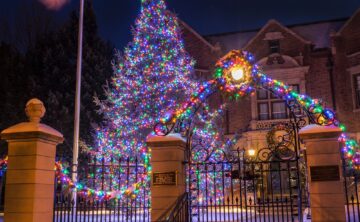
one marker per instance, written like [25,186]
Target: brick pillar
[30,175]
[327,197]
[167,157]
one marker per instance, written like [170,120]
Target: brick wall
[351,34]
[204,54]
[239,114]
[317,79]
[346,43]
[318,83]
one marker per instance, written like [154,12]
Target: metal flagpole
[77,99]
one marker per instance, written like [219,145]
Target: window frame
[270,99]
[274,46]
[286,109]
[356,85]
[267,95]
[268,110]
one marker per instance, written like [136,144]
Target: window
[262,94]
[272,107]
[278,110]
[263,111]
[274,46]
[357,90]
[274,96]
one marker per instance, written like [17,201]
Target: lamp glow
[251,152]
[237,73]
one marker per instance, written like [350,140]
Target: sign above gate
[165,178]
[324,173]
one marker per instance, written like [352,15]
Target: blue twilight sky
[115,17]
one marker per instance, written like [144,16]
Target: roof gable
[318,33]
[355,16]
[204,53]
[270,23]
[200,37]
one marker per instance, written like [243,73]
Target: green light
[342,127]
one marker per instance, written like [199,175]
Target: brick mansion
[320,59]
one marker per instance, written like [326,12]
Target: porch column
[323,152]
[30,175]
[168,172]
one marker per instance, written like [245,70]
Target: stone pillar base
[29,195]
[168,155]
[327,196]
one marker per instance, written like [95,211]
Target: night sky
[115,17]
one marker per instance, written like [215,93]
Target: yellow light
[251,152]
[237,73]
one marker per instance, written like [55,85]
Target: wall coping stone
[33,129]
[314,131]
[173,139]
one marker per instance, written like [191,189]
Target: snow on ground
[224,216]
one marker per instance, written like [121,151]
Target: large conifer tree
[152,76]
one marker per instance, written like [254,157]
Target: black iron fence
[104,175]
[2,190]
[235,190]
[178,212]
[352,206]
[246,190]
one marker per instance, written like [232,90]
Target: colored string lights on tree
[152,75]
[209,143]
[250,78]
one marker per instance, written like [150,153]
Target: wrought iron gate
[351,187]
[268,187]
[246,190]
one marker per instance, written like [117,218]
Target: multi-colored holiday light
[209,143]
[3,165]
[236,75]
[152,76]
[243,83]
[64,179]
[86,191]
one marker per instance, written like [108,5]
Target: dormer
[280,52]
[274,40]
